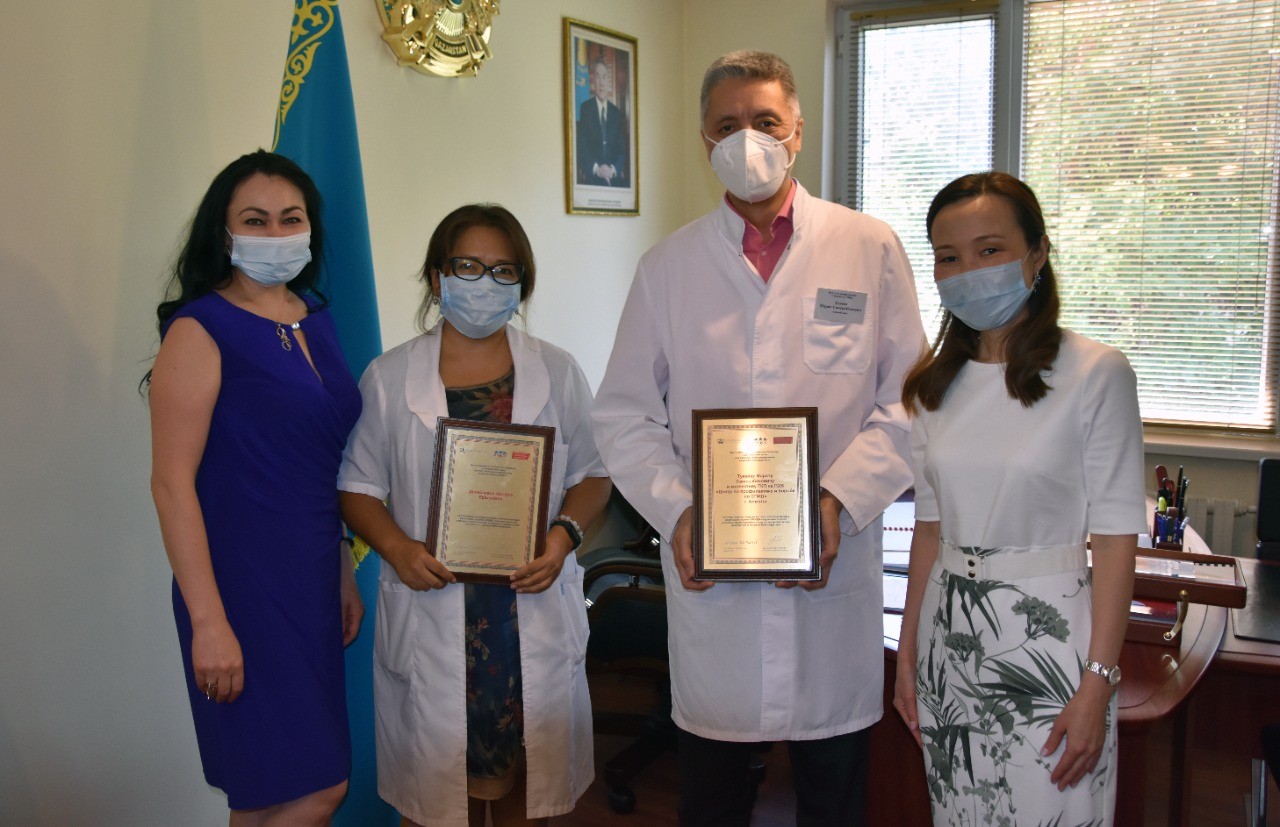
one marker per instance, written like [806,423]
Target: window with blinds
[923,90]
[1149,131]
[1149,134]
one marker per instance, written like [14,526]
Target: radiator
[1227,526]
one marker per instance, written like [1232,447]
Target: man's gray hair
[764,66]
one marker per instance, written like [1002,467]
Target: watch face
[1111,676]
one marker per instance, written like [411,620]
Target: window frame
[1188,437]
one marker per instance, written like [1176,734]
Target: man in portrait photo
[602,148]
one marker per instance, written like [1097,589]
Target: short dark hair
[204,263]
[1032,344]
[744,63]
[445,239]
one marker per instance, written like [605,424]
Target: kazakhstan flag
[316,127]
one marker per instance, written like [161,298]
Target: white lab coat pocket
[835,347]
[395,638]
[574,607]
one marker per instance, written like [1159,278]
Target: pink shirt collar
[764,257]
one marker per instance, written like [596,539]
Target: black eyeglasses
[468,269]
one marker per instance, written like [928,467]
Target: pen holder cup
[1167,528]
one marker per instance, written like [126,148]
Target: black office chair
[1268,523]
[627,613]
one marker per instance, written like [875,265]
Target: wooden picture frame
[601,124]
[490,486]
[755,494]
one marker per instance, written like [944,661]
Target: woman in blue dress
[251,405]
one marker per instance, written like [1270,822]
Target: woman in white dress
[1026,441]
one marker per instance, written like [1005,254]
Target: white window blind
[922,107]
[1149,134]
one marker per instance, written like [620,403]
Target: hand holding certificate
[489,490]
[756,494]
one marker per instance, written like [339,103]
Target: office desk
[1157,680]
[1241,690]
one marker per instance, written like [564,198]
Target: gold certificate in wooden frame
[488,514]
[602,158]
[755,494]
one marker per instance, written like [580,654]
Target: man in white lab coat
[774,299]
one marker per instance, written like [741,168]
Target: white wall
[798,31]
[431,144]
[114,121]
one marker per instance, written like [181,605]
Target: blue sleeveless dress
[267,485]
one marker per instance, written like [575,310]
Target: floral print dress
[495,720]
[1002,642]
[996,663]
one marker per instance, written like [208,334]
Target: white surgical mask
[987,298]
[270,260]
[751,164]
[477,308]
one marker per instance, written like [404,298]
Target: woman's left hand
[1083,721]
[543,571]
[349,594]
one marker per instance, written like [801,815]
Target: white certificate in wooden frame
[756,487]
[488,514]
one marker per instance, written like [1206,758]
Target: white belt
[1012,564]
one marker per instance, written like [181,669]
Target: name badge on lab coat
[840,306]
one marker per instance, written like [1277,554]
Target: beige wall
[114,120]
[799,32]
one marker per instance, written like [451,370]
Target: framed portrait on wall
[601,130]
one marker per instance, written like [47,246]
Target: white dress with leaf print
[998,660]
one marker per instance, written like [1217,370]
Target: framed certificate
[755,494]
[489,489]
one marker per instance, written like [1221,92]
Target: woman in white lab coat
[480,690]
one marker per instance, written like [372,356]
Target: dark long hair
[445,239]
[204,264]
[1032,343]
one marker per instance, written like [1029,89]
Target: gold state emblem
[439,37]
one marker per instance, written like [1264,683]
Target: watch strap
[571,528]
[1110,674]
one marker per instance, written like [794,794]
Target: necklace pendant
[285,342]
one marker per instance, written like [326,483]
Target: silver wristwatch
[1111,674]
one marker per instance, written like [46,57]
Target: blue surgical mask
[987,298]
[477,308]
[270,260]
